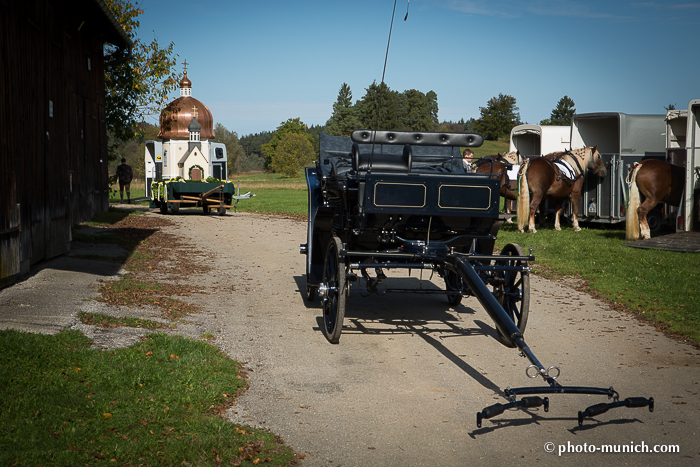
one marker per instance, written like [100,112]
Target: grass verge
[106,321]
[155,403]
[661,287]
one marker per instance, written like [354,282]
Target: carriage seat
[382,162]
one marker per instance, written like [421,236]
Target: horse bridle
[593,162]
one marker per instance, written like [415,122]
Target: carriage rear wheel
[513,292]
[336,292]
[453,282]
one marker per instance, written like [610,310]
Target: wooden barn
[53,138]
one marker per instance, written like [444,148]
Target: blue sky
[257,63]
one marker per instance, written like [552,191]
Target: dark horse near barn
[656,181]
[545,178]
[498,167]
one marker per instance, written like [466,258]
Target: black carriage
[384,200]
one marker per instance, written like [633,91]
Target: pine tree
[344,119]
[562,113]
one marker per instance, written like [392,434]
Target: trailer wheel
[513,293]
[453,282]
[336,292]
[221,211]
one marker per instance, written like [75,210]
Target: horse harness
[560,176]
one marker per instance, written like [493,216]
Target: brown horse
[497,166]
[543,177]
[656,181]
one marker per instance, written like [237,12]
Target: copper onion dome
[176,116]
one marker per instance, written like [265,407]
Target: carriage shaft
[499,316]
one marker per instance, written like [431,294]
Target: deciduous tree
[293,125]
[137,84]
[498,118]
[234,150]
[293,152]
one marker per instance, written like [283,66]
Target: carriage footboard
[507,327]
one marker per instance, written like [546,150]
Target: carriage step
[630,402]
[498,409]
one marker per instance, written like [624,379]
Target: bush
[292,153]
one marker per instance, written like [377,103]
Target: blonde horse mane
[523,211]
[513,157]
[632,229]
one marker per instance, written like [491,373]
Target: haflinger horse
[499,167]
[545,177]
[656,181]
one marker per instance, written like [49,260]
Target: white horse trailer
[622,140]
[683,149]
[538,140]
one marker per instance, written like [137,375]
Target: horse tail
[632,218]
[523,198]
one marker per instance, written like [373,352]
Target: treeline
[380,107]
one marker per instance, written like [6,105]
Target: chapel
[186,131]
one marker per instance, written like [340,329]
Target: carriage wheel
[206,209]
[514,293]
[336,292]
[453,282]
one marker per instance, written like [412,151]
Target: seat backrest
[382,162]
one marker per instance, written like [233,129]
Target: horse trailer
[683,150]
[622,140]
[538,140]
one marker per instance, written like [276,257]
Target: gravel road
[410,373]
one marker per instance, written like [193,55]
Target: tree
[379,108]
[293,125]
[344,119]
[498,118]
[293,152]
[422,110]
[234,151]
[136,85]
[562,113]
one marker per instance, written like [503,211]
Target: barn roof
[96,15]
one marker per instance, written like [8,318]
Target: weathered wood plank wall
[53,143]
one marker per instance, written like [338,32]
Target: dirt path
[405,383]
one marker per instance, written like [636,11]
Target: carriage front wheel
[335,292]
[513,289]
[453,283]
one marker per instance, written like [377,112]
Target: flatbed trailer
[170,196]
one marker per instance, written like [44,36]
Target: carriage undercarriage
[414,209]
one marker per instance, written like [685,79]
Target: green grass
[107,321]
[155,403]
[491,148]
[138,190]
[662,287]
